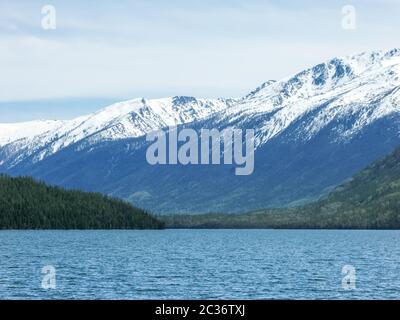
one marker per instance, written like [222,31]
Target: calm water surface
[200,264]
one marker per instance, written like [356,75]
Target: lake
[199,264]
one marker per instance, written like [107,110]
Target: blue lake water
[200,264]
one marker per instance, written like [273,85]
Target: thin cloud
[157,48]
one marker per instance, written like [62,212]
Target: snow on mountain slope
[10,132]
[365,85]
[129,119]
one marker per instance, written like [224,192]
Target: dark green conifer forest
[28,204]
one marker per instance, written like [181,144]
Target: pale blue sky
[104,51]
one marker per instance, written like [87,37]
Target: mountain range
[313,131]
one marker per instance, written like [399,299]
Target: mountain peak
[393,53]
[260,88]
[183,100]
[327,75]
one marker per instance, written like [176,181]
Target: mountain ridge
[337,69]
[313,130]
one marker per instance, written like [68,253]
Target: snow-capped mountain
[367,85]
[129,119]
[11,132]
[314,129]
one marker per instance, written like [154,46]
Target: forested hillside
[27,204]
[370,200]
